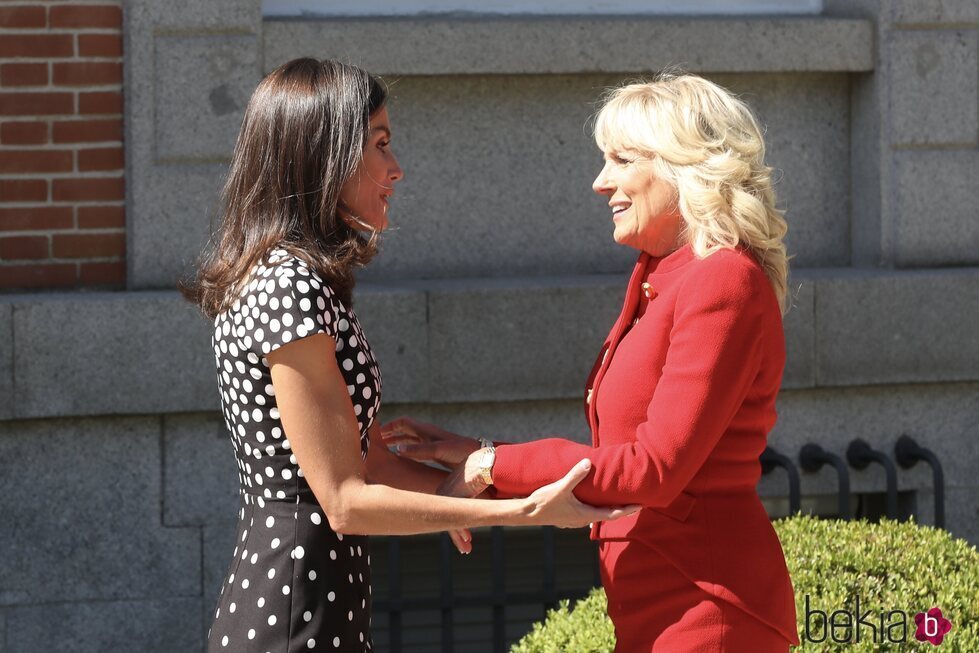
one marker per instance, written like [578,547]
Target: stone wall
[119,486]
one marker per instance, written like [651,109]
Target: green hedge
[889,565]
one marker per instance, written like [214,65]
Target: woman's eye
[384,144]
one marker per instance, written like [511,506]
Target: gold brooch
[648,291]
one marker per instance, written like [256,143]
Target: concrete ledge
[898,326]
[535,45]
[476,340]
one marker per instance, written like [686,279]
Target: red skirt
[654,607]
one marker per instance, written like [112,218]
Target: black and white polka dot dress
[293,584]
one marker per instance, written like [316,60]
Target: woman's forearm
[388,469]
[375,509]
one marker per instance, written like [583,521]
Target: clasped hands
[424,442]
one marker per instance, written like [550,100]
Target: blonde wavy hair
[706,143]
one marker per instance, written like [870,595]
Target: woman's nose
[602,185]
[395,173]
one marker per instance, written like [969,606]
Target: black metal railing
[499,599]
[860,455]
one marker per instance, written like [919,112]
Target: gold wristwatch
[486,460]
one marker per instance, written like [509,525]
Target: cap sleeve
[285,301]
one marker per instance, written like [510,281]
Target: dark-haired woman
[312,173]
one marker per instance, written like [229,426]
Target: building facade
[495,288]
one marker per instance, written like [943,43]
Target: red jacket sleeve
[714,356]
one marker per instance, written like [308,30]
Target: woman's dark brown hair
[301,139]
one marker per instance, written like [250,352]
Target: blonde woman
[682,396]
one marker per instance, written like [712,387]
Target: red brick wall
[62,215]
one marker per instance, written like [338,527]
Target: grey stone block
[520,421]
[575,44]
[199,472]
[805,120]
[933,12]
[866,161]
[81,506]
[202,86]
[173,209]
[936,219]
[159,626]
[962,512]
[188,15]
[167,206]
[395,322]
[897,327]
[105,353]
[800,335]
[6,360]
[934,87]
[518,339]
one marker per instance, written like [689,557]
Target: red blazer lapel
[629,308]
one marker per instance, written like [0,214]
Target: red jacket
[680,403]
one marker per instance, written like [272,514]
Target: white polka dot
[286,473]
[254,558]
[271,573]
[271,619]
[311,643]
[275,543]
[331,596]
[270,522]
[261,601]
[350,615]
[315,518]
[224,641]
[312,574]
[307,616]
[232,608]
[348,364]
[285,590]
[244,584]
[298,553]
[336,642]
[251,633]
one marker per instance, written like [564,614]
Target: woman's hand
[426,442]
[465,480]
[555,504]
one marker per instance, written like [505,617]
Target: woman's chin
[623,237]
